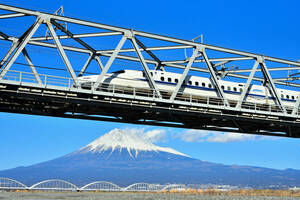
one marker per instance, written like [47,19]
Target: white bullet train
[193,85]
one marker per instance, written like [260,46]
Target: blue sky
[255,26]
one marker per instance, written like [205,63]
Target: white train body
[194,85]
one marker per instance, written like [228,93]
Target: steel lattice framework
[52,95]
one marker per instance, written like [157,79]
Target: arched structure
[143,187]
[7,183]
[101,186]
[178,187]
[54,184]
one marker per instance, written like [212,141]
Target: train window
[293,97]
[234,89]
[282,96]
[223,87]
[209,85]
[176,80]
[241,90]
[162,78]
[228,88]
[169,80]
[287,96]
[190,82]
[203,84]
[151,73]
[196,83]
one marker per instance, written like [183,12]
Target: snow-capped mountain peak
[119,140]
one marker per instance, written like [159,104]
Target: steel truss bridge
[32,88]
[62,185]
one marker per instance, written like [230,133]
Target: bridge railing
[20,77]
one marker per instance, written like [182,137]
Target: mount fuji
[124,158]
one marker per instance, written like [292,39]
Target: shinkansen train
[193,85]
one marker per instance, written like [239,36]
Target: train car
[193,85]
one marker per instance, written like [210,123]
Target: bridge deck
[56,96]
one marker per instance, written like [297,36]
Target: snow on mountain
[120,140]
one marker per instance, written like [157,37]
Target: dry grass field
[189,194]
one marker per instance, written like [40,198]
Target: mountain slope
[124,159]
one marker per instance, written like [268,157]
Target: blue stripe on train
[225,91]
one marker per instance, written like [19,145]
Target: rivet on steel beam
[128,34]
[260,59]
[200,48]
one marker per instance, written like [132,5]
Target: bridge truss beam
[210,61]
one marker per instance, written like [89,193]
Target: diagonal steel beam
[214,78]
[62,53]
[36,75]
[9,52]
[82,71]
[145,66]
[109,62]
[246,88]
[185,72]
[97,58]
[63,29]
[84,44]
[6,37]
[13,46]
[149,52]
[87,63]
[24,39]
[270,81]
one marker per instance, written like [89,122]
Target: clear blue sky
[255,26]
